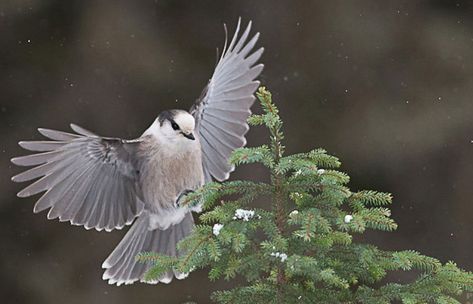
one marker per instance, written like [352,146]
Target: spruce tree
[300,247]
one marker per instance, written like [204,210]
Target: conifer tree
[300,247]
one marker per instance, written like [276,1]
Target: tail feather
[121,266]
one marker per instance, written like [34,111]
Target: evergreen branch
[210,193]
[445,283]
[372,198]
[266,101]
[160,264]
[378,218]
[408,259]
[311,161]
[185,261]
[252,155]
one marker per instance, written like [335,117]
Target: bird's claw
[181,198]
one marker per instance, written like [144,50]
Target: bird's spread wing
[89,180]
[224,106]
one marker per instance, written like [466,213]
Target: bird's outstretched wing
[89,180]
[224,106]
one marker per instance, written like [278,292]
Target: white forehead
[185,121]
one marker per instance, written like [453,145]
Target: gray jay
[106,183]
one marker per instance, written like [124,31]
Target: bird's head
[174,126]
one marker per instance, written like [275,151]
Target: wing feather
[87,179]
[41,146]
[82,131]
[35,159]
[224,106]
[57,135]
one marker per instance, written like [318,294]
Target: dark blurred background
[384,85]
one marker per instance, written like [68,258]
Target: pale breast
[165,173]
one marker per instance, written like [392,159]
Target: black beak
[190,136]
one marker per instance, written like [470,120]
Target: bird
[107,183]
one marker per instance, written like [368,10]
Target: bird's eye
[174,125]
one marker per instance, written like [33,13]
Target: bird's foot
[181,198]
[181,202]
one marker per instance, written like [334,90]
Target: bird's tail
[121,265]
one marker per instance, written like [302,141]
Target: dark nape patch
[166,115]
